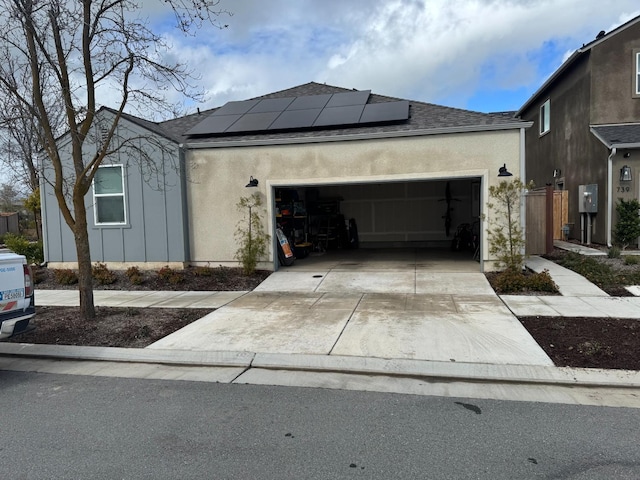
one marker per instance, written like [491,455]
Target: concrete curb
[453,372]
[129,355]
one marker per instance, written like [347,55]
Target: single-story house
[326,159]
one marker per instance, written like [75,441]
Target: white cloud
[424,50]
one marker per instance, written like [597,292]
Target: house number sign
[624,189]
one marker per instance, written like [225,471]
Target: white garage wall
[387,213]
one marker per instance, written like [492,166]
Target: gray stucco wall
[569,145]
[613,73]
[154,202]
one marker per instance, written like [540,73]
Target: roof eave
[611,145]
[356,136]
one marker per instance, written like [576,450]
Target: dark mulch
[612,343]
[113,327]
[130,327]
[189,279]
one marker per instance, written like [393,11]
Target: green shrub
[613,252]
[594,271]
[33,251]
[631,260]
[627,229]
[102,274]
[65,277]
[511,281]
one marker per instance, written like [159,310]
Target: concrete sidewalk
[579,297]
[138,298]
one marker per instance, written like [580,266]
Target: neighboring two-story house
[586,131]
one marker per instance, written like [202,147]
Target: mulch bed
[612,343]
[113,327]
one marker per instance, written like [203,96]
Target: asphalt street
[77,427]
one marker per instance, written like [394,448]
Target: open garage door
[436,214]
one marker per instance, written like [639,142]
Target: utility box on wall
[588,198]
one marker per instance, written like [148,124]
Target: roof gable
[584,50]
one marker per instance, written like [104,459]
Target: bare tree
[70,51]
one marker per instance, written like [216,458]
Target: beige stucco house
[390,176]
[329,161]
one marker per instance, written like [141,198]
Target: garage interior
[436,215]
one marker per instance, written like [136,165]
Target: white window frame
[96,196]
[545,117]
[637,72]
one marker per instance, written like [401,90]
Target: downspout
[523,178]
[610,194]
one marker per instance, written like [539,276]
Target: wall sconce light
[557,172]
[253,182]
[503,172]
[625,174]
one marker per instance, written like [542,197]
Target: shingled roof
[622,135]
[423,117]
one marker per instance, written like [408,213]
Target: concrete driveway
[409,304]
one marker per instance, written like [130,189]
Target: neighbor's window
[108,195]
[545,117]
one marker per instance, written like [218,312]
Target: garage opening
[435,216]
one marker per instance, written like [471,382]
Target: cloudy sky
[484,55]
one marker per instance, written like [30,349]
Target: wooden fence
[547,212]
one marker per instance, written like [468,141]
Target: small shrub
[134,275]
[512,281]
[613,252]
[65,277]
[33,251]
[627,228]
[589,268]
[38,275]
[169,275]
[102,274]
[221,273]
[631,260]
[202,271]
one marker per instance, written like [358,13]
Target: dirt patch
[612,343]
[113,327]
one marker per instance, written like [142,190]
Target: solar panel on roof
[349,98]
[385,112]
[272,105]
[309,101]
[339,115]
[290,119]
[252,122]
[213,124]
[236,108]
[290,113]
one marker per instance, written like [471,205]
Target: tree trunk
[85,278]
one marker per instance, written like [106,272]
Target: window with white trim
[108,195]
[545,117]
